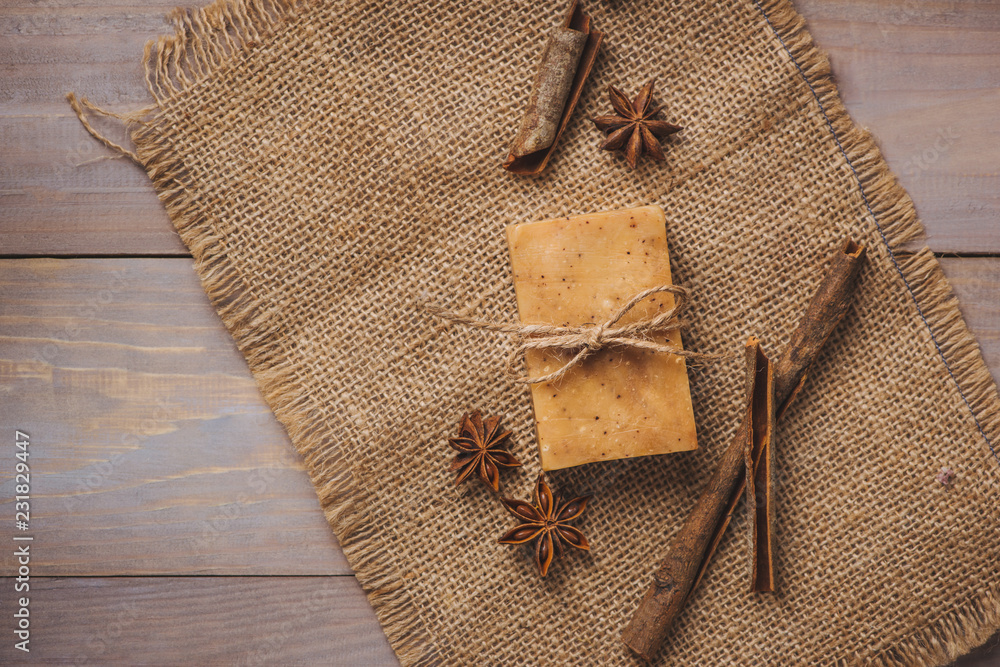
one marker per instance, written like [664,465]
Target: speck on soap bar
[619,402]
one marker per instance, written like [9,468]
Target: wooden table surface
[172,521]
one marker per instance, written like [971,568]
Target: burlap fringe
[969,626]
[210,38]
[207,40]
[896,219]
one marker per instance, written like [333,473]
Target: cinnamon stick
[756,390]
[693,545]
[758,457]
[565,64]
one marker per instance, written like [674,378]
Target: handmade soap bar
[619,402]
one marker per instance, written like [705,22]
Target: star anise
[545,521]
[478,446]
[634,127]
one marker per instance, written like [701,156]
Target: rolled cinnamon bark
[566,62]
[549,92]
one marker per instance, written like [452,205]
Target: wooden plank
[217,620]
[197,621]
[88,347]
[151,448]
[987,655]
[976,282]
[39,69]
[71,398]
[136,398]
[920,75]
[56,199]
[923,77]
[58,195]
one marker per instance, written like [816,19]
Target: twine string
[588,338]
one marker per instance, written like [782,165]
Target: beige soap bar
[619,402]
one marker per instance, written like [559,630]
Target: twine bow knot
[591,337]
[594,340]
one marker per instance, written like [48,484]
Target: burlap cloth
[333,165]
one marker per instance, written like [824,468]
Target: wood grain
[198,621]
[135,396]
[131,389]
[58,195]
[922,75]
[155,454]
[151,448]
[217,621]
[976,283]
[56,199]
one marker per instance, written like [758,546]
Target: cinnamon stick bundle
[565,64]
[693,546]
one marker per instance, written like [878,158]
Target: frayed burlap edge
[894,216]
[205,41]
[219,34]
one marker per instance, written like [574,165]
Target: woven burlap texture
[334,165]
